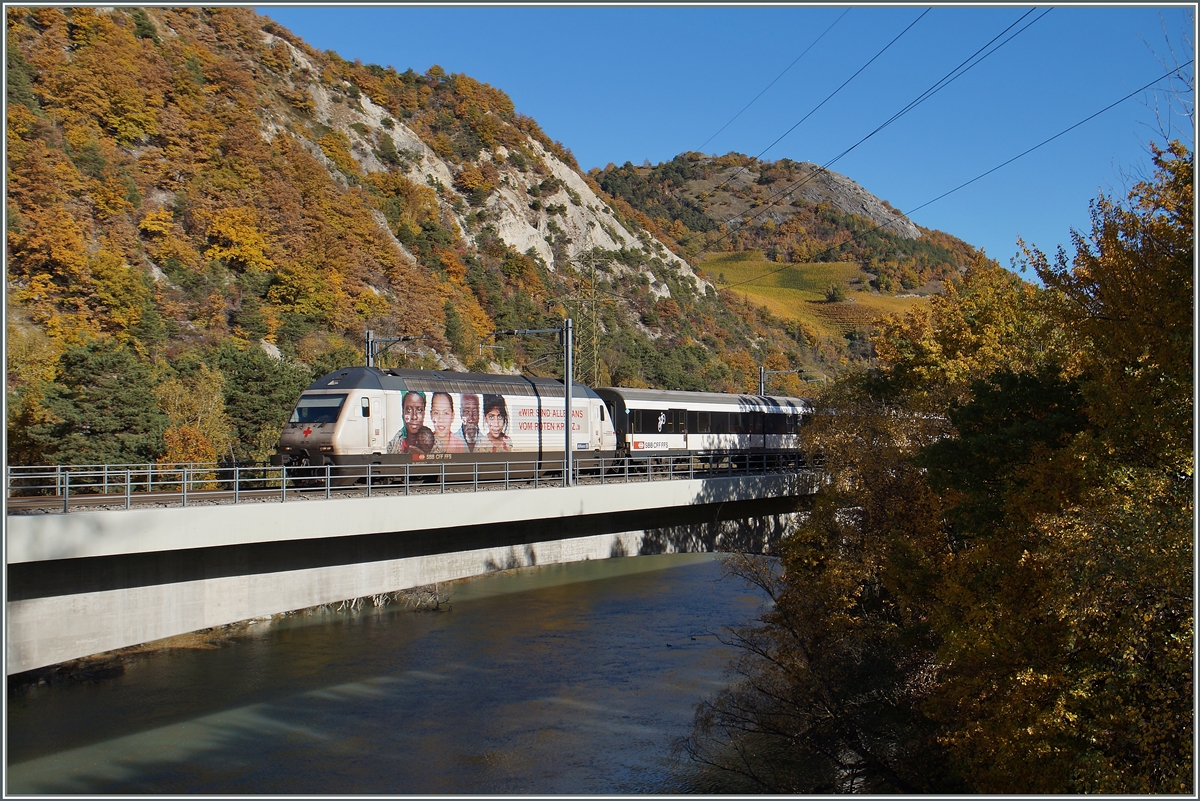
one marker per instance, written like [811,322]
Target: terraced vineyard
[797,291]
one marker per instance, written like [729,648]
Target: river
[559,679]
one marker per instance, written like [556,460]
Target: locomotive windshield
[318,409]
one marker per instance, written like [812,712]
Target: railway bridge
[107,557]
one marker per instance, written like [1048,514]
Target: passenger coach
[651,420]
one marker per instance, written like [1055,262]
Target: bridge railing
[59,488]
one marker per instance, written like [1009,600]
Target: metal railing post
[476,487]
[66,490]
[407,478]
[128,489]
[328,480]
[442,485]
[105,479]
[283,483]
[506,475]
[237,484]
[368,479]
[183,484]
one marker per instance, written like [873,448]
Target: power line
[831,95]
[963,67]
[957,72]
[940,84]
[772,83]
[948,79]
[1043,143]
[1052,138]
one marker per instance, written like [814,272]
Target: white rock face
[270,349]
[850,198]
[587,226]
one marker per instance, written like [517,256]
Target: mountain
[794,211]
[200,202]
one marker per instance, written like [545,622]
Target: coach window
[366,408]
[776,424]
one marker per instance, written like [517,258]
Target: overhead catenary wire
[941,84]
[772,83]
[831,95]
[969,63]
[965,184]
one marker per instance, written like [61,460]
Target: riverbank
[111,664]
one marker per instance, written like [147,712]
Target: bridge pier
[88,582]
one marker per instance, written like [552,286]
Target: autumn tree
[997,581]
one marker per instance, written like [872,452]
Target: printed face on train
[495,422]
[471,416]
[441,413]
[414,410]
[470,412]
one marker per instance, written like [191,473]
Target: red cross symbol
[308,431]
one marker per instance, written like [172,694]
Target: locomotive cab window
[318,409]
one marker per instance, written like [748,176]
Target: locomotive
[433,420]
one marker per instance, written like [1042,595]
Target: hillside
[793,212]
[205,212]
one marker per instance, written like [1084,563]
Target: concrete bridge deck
[92,581]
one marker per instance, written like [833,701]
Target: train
[419,421]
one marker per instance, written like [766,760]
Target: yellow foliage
[237,240]
[158,222]
[31,357]
[990,320]
[187,444]
[336,146]
[21,124]
[745,371]
[121,292]
[196,410]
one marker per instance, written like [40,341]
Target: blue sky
[617,84]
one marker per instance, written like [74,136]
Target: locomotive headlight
[326,449]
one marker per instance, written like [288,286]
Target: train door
[594,441]
[606,436]
[677,425]
[373,411]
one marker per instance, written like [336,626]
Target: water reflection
[559,679]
